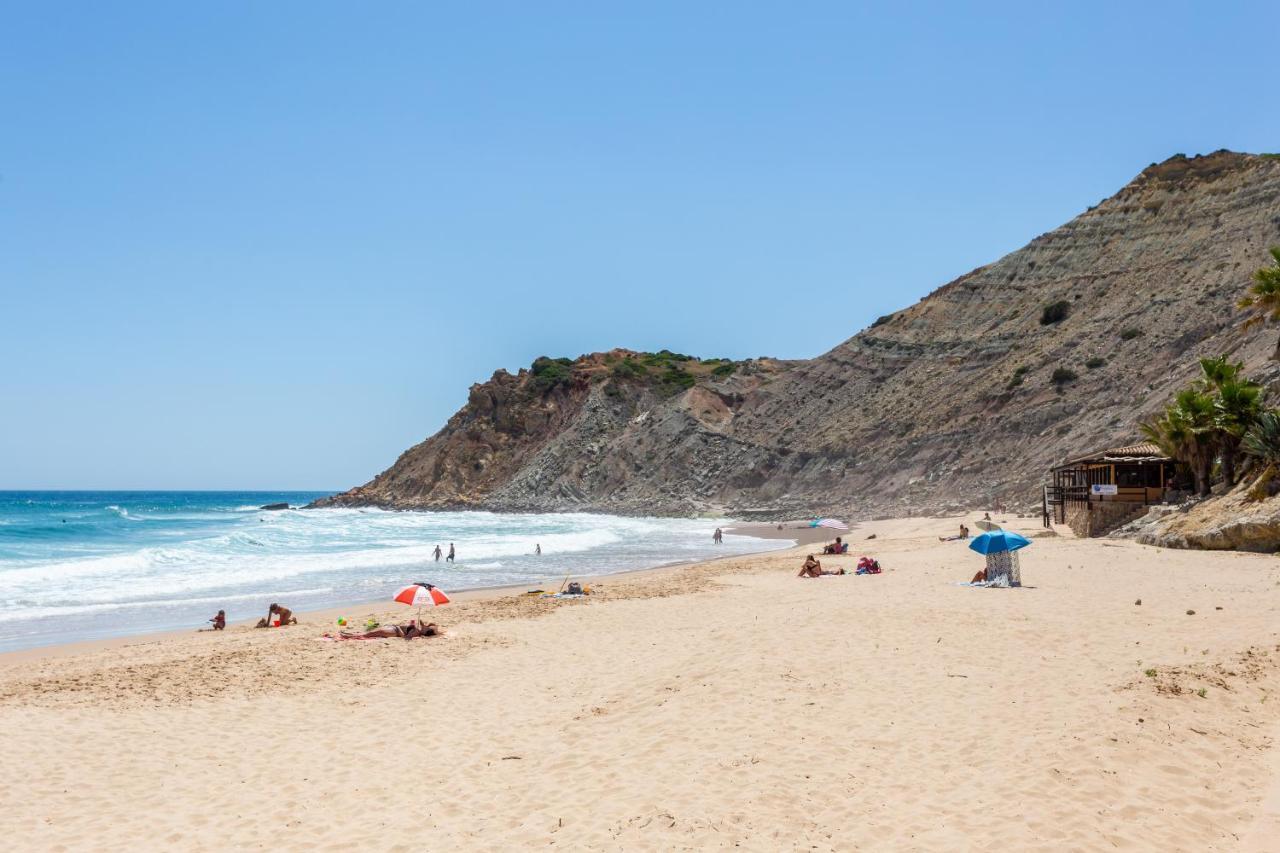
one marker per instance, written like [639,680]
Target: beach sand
[722,705]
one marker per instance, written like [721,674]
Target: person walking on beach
[438,552]
[537,549]
[718,536]
[450,557]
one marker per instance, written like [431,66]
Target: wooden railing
[1056,498]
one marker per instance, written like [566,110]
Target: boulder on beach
[274,506]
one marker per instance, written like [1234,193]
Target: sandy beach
[722,705]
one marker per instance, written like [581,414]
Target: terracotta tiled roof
[1144,449]
[1144,452]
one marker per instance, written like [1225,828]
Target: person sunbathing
[964,534]
[813,569]
[413,629]
[980,577]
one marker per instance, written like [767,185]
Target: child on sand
[283,615]
[219,622]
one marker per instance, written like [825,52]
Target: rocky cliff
[1226,522]
[966,397]
[619,431]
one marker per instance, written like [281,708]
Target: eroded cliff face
[949,403]
[618,431]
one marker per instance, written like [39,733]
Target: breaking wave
[198,551]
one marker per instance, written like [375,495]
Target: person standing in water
[537,549]
[450,557]
[438,553]
[718,536]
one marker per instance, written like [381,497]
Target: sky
[271,245]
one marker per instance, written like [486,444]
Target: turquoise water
[85,565]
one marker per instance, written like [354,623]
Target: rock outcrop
[1230,522]
[966,397]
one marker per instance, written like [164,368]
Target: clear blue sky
[270,245]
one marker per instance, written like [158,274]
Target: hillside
[965,397]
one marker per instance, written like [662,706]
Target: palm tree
[1262,441]
[1237,406]
[1188,432]
[1216,370]
[1263,298]
[1237,403]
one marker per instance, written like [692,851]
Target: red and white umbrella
[421,595]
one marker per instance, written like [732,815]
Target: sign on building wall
[1103,489]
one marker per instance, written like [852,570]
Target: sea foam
[85,556]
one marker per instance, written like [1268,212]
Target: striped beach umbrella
[421,595]
[833,523]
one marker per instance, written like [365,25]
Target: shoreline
[330,614]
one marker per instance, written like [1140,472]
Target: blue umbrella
[995,541]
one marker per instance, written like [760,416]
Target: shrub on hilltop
[628,368]
[551,373]
[678,379]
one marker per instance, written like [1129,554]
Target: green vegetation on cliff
[670,372]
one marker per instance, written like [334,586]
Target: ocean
[88,565]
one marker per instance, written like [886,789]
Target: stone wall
[1099,518]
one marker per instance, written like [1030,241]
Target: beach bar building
[1096,493]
